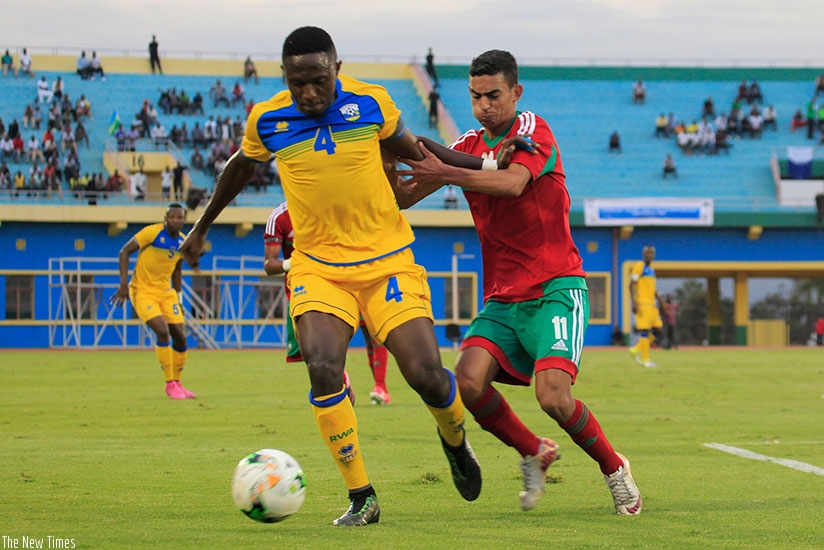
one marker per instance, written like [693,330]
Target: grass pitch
[93,451]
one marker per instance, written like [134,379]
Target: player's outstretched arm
[122,292]
[235,174]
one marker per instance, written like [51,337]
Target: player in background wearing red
[535,294]
[278,238]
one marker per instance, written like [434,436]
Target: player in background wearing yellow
[647,316]
[155,292]
[277,239]
[352,252]
[536,302]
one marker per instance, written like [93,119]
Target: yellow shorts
[648,317]
[387,292]
[151,304]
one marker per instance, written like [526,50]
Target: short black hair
[174,205]
[308,40]
[494,62]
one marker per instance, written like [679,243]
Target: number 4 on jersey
[324,141]
[393,291]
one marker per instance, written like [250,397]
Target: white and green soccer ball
[268,485]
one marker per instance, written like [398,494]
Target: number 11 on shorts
[560,324]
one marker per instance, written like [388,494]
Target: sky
[686,32]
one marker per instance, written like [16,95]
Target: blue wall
[433,249]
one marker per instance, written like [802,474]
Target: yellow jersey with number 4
[342,206]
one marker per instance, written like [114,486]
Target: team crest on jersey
[350,112]
[281,126]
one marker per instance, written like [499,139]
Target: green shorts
[527,337]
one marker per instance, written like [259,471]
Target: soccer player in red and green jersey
[536,304]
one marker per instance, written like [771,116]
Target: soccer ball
[268,486]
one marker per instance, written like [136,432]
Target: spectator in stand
[811,113]
[67,140]
[137,186]
[743,91]
[83,108]
[198,139]
[249,106]
[51,179]
[81,135]
[450,198]
[33,147]
[58,87]
[820,114]
[14,129]
[197,104]
[709,108]
[434,100]
[95,67]
[19,148]
[197,161]
[8,64]
[218,94]
[819,329]
[238,94]
[6,149]
[615,143]
[210,129]
[131,136]
[154,56]
[184,106]
[44,91]
[249,70]
[755,122]
[38,116]
[639,92]
[28,117]
[114,183]
[166,177]
[669,167]
[430,67]
[159,135]
[177,181]
[83,68]
[661,126]
[25,64]
[754,94]
[19,183]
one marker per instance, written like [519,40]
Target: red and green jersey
[526,240]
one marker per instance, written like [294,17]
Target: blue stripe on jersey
[288,128]
[345,264]
[164,241]
[648,271]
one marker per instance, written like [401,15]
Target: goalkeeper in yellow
[647,317]
[155,289]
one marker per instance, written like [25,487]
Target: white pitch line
[743,453]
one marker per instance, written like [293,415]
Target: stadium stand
[125,94]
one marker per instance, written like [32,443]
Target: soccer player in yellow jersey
[647,318]
[352,249]
[155,289]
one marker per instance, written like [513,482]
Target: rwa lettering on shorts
[42,542]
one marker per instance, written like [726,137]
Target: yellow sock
[164,355]
[178,362]
[643,347]
[338,426]
[450,415]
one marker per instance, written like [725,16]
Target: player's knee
[556,404]
[472,388]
